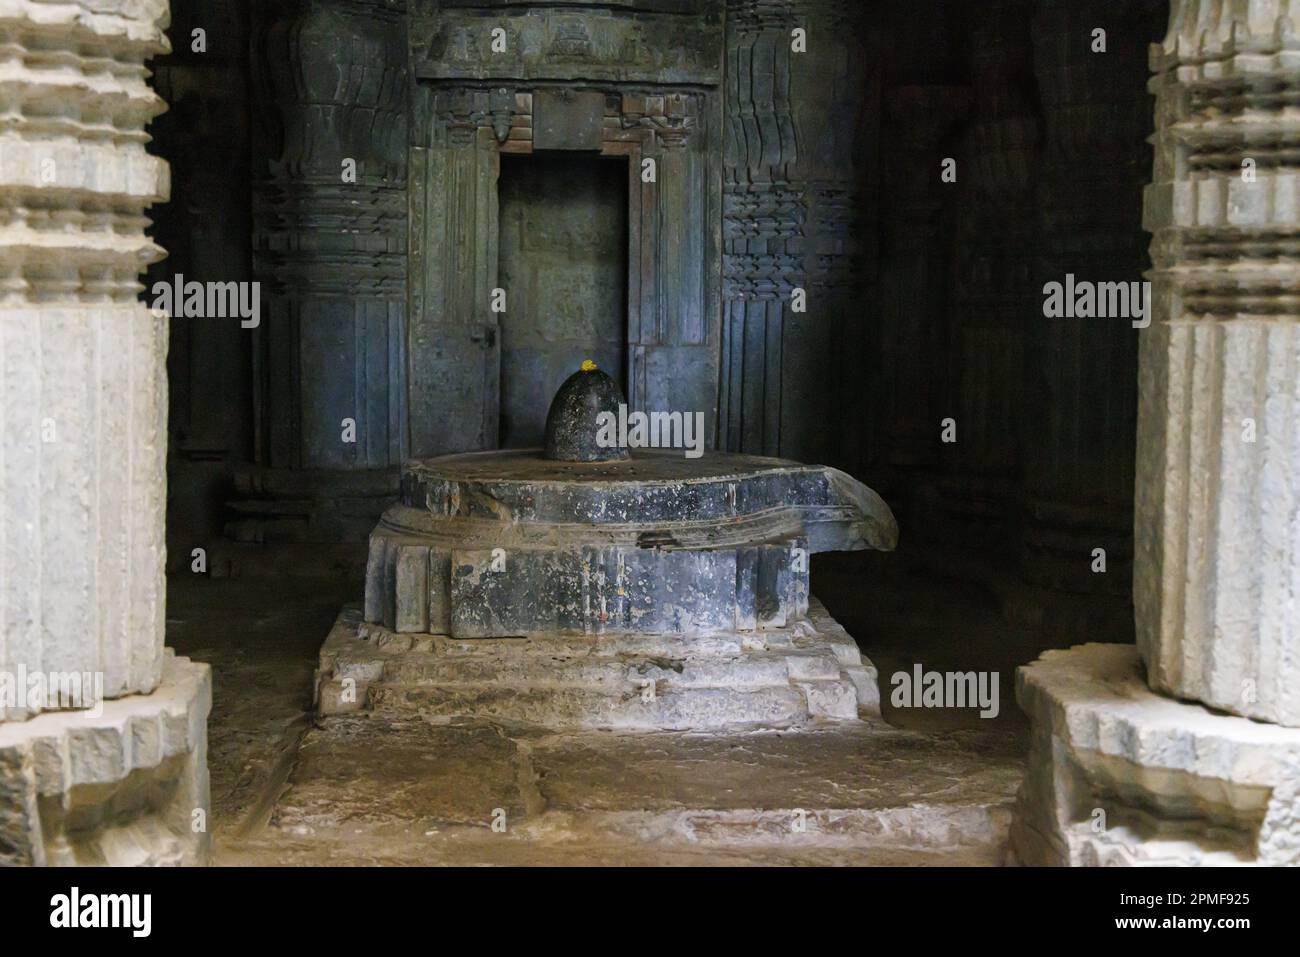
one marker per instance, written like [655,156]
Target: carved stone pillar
[916,238]
[205,228]
[994,299]
[329,244]
[1079,468]
[102,732]
[795,125]
[1133,759]
[84,389]
[1217,587]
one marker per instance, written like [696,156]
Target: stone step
[381,639]
[355,639]
[579,707]
[615,673]
[782,678]
[800,638]
[981,824]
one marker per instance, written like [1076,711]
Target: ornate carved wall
[777,168]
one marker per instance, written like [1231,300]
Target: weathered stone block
[1119,774]
[128,786]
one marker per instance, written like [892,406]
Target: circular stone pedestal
[500,544]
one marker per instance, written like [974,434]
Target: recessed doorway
[563,264]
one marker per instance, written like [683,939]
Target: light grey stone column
[83,401]
[82,456]
[1217,582]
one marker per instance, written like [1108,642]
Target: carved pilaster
[993,299]
[330,249]
[329,242]
[454,339]
[794,128]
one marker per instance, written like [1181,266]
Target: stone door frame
[673,325]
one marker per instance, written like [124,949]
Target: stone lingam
[589,585]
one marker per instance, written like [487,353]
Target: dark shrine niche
[563,251]
[635,83]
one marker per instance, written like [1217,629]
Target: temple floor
[929,788]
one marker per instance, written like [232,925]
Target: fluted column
[82,378]
[1148,755]
[1217,583]
[103,737]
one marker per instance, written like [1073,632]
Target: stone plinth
[787,677]
[127,786]
[1121,775]
[497,544]
[1217,583]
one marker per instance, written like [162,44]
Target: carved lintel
[542,44]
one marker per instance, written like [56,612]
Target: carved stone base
[785,677]
[1119,775]
[126,788]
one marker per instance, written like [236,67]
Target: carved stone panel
[647,42]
